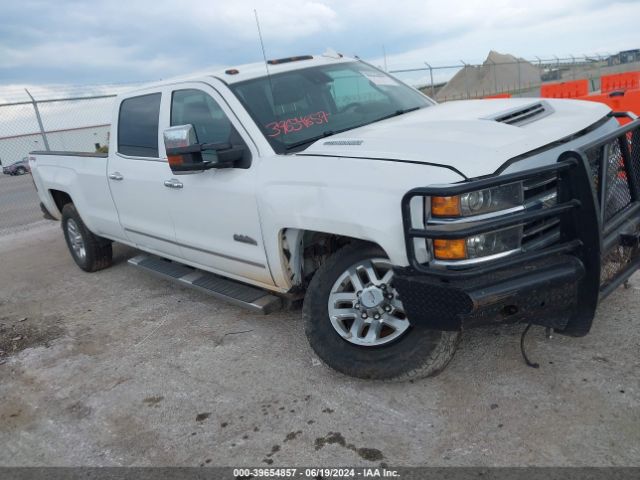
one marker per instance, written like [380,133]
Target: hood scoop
[524,115]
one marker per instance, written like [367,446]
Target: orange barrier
[620,81]
[573,89]
[498,95]
[624,101]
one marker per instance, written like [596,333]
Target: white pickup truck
[400,222]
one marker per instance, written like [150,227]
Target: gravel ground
[120,368]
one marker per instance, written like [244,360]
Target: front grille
[540,192]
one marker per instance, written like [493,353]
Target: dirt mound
[498,73]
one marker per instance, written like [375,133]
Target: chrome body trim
[472,261]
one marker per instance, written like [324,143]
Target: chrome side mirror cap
[184,153]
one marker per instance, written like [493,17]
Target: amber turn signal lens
[450,249]
[175,160]
[445,206]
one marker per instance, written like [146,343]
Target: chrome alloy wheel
[76,240]
[364,307]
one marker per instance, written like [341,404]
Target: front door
[215,212]
[137,174]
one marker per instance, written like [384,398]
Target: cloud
[104,41]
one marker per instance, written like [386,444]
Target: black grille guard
[603,240]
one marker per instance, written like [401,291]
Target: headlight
[477,246]
[478,202]
[492,243]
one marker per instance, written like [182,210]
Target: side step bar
[234,292]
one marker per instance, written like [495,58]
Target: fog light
[492,243]
[450,249]
[481,245]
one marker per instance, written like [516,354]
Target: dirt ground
[120,368]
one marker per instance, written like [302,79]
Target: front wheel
[21,171]
[356,323]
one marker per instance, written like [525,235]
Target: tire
[90,252]
[409,352]
[21,171]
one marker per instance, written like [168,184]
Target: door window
[211,124]
[138,126]
[200,110]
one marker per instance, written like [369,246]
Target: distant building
[626,56]
[81,139]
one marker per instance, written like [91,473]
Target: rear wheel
[21,171]
[356,323]
[90,252]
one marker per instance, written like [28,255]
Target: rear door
[137,174]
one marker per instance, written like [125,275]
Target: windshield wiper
[402,111]
[328,133]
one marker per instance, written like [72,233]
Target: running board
[231,291]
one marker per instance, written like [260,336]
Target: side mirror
[186,155]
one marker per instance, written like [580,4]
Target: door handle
[116,176]
[173,183]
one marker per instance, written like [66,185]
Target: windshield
[295,108]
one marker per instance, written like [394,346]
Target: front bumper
[558,286]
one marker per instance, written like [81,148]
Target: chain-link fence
[500,74]
[79,123]
[77,118]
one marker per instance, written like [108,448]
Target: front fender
[358,198]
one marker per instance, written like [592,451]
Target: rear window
[138,126]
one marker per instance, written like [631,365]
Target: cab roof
[240,73]
[249,71]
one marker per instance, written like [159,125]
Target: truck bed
[83,177]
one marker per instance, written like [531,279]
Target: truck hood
[473,137]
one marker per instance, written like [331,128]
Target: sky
[79,42]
